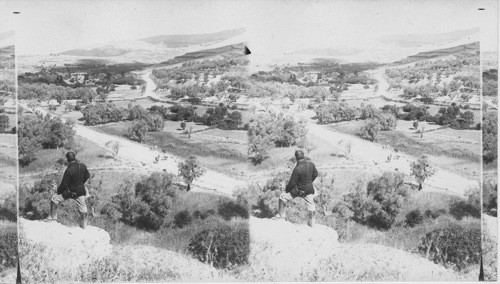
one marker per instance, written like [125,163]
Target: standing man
[300,185]
[72,186]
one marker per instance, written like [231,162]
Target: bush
[266,131]
[453,246]
[190,170]
[4,122]
[387,121]
[462,209]
[36,132]
[380,203]
[146,206]
[8,250]
[183,219]
[137,130]
[414,218]
[490,136]
[155,122]
[490,198]
[335,112]
[223,247]
[8,210]
[230,209]
[421,170]
[370,130]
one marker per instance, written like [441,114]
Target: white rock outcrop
[60,249]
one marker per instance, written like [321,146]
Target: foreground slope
[282,251]
[52,252]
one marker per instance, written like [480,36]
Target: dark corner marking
[247,51]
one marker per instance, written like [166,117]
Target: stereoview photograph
[164,141]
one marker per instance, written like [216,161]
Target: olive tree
[190,170]
[421,170]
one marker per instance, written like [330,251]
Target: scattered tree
[190,170]
[421,170]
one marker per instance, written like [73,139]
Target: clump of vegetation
[470,207]
[190,170]
[370,130]
[453,246]
[421,170]
[335,112]
[271,130]
[42,132]
[222,247]
[415,217]
[379,204]
[137,130]
[8,248]
[231,209]
[490,136]
[490,198]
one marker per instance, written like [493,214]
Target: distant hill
[194,39]
[7,50]
[417,40]
[471,47]
[233,48]
[97,52]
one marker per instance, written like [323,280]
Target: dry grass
[209,148]
[47,159]
[455,150]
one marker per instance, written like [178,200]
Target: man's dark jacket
[303,176]
[74,179]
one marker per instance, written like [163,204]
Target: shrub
[148,204]
[230,209]
[380,203]
[387,121]
[490,198]
[155,122]
[183,219]
[421,170]
[452,246]
[463,208]
[4,122]
[8,210]
[266,131]
[412,112]
[490,136]
[370,130]
[414,218]
[137,130]
[8,250]
[335,112]
[369,111]
[190,170]
[222,247]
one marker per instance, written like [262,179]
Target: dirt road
[375,156]
[141,155]
[150,84]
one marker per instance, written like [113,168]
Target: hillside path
[374,155]
[141,155]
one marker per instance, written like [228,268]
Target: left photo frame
[8,153]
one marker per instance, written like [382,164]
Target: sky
[7,36]
[44,27]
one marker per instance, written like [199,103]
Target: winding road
[141,155]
